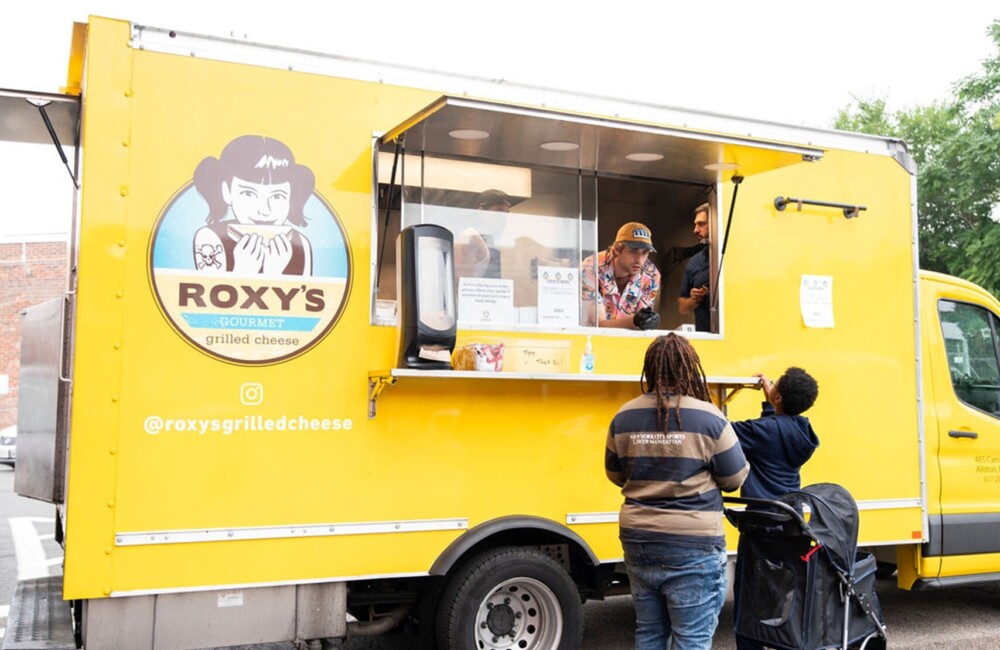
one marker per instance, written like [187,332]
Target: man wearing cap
[694,296]
[473,256]
[494,200]
[624,280]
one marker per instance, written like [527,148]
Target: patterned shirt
[673,482]
[641,290]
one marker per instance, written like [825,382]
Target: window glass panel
[518,238]
[970,339]
[525,236]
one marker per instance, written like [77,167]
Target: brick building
[32,271]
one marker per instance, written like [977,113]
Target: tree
[956,145]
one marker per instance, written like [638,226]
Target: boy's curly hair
[798,390]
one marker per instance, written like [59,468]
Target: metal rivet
[121,243]
[114,398]
[111,504]
[113,451]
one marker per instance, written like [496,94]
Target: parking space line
[31,560]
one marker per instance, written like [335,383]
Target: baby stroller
[803,585]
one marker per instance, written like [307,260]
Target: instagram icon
[251,394]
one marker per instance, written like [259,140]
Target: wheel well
[555,540]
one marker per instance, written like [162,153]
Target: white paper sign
[486,300]
[558,295]
[816,300]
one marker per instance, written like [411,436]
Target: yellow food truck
[306,382]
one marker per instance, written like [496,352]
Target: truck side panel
[196,464]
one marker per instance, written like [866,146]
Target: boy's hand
[765,385]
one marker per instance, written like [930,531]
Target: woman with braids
[673,453]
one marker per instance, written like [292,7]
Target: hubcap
[500,620]
[521,614]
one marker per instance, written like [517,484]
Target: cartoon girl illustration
[256,194]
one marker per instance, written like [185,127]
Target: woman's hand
[277,255]
[249,254]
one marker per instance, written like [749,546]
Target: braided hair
[672,366]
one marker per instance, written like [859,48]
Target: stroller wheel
[885,570]
[873,642]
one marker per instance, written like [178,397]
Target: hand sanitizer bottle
[587,360]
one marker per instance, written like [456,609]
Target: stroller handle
[770,503]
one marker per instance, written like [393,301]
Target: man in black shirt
[694,295]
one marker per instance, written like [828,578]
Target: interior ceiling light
[469,134]
[644,157]
[721,166]
[558,145]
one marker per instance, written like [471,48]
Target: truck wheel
[516,598]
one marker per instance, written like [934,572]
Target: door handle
[963,434]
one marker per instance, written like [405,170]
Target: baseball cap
[492,197]
[635,235]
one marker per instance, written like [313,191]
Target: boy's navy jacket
[777,446]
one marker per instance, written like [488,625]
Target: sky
[781,60]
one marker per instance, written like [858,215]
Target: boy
[781,440]
[777,444]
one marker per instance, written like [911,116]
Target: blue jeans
[678,593]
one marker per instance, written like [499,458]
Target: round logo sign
[247,262]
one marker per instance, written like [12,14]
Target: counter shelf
[722,388]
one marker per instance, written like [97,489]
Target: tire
[516,598]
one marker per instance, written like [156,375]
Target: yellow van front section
[220,427]
[962,434]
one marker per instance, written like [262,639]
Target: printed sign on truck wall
[247,262]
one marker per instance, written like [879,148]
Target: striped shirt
[673,482]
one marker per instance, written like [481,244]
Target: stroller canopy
[833,521]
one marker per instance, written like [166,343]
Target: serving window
[532,197]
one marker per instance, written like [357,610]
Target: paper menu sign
[486,300]
[558,295]
[816,300]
